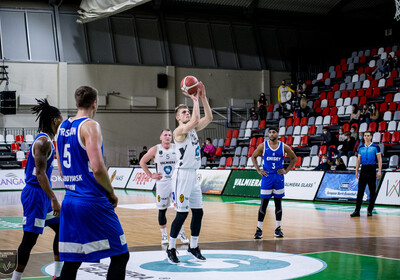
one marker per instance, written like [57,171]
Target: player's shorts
[89,230]
[37,209]
[187,191]
[163,194]
[272,185]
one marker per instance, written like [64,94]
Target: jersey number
[273,165]
[67,156]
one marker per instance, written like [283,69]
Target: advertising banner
[119,176]
[140,181]
[302,185]
[12,179]
[243,183]
[389,193]
[340,185]
[212,181]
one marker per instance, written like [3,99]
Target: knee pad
[162,219]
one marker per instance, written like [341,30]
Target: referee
[368,153]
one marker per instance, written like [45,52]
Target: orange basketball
[189,84]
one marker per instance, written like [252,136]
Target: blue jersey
[30,169]
[77,173]
[273,159]
[368,153]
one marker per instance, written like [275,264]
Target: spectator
[365,114]
[209,149]
[324,166]
[282,94]
[142,153]
[340,164]
[348,145]
[387,66]
[355,115]
[374,115]
[327,137]
[396,64]
[253,114]
[301,87]
[353,131]
[296,105]
[360,140]
[341,136]
[262,105]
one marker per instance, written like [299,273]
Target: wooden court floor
[320,230]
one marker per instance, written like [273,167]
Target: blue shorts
[89,230]
[37,209]
[272,185]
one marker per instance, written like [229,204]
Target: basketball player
[272,179]
[89,227]
[165,157]
[41,207]
[184,179]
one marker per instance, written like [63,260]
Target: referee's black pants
[367,176]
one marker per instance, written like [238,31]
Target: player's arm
[293,159]
[58,156]
[91,138]
[151,153]
[42,150]
[182,130]
[379,157]
[258,152]
[208,117]
[358,164]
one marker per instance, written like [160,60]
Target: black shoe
[369,214]
[278,232]
[195,252]
[172,258]
[258,234]
[355,214]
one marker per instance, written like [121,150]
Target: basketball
[189,84]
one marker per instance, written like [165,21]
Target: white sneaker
[183,238]
[164,239]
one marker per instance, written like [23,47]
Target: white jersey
[188,152]
[165,160]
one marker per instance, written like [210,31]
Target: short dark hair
[165,129]
[370,133]
[144,148]
[180,106]
[273,128]
[85,96]
[209,139]
[325,127]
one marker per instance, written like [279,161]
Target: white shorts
[163,194]
[187,191]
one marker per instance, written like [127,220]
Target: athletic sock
[259,225]
[172,243]
[194,241]
[164,231]
[57,268]
[17,275]
[278,223]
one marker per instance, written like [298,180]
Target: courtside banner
[140,181]
[119,176]
[12,179]
[243,183]
[302,184]
[212,181]
[389,193]
[340,185]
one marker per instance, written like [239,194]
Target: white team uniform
[184,179]
[165,160]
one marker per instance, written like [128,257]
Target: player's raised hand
[201,90]
[194,97]
[263,173]
[156,176]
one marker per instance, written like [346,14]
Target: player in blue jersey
[368,155]
[272,179]
[89,227]
[41,207]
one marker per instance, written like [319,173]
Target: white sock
[17,275]
[57,268]
[259,225]
[193,241]
[172,243]
[164,231]
[278,223]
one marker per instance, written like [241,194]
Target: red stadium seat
[395,137]
[333,111]
[345,94]
[322,96]
[253,141]
[330,95]
[368,92]
[389,82]
[262,124]
[19,139]
[317,104]
[360,71]
[251,151]
[218,152]
[289,122]
[282,139]
[304,141]
[339,74]
[392,106]
[386,138]
[372,127]
[331,103]
[335,120]
[335,87]
[229,133]
[325,112]
[382,126]
[289,140]
[394,74]
[270,108]
[389,97]
[227,142]
[363,59]
[374,52]
[374,84]
[259,140]
[353,93]
[342,61]
[323,150]
[303,121]
[296,121]
[388,49]
[312,130]
[229,162]
[14,147]
[326,75]
[24,163]
[298,162]
[363,100]
[383,108]
[337,68]
[360,92]
[235,133]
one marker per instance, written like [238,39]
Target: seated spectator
[353,131]
[374,115]
[387,66]
[327,137]
[324,166]
[253,114]
[359,141]
[262,105]
[209,149]
[340,164]
[365,114]
[301,87]
[348,145]
[355,115]
[341,136]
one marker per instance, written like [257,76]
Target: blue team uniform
[273,184]
[89,227]
[37,205]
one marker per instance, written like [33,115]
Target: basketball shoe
[195,253]
[172,258]
[355,214]
[278,232]
[258,234]
[182,237]
[164,239]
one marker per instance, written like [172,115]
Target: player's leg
[163,193]
[69,270]
[265,195]
[117,268]
[162,221]
[24,250]
[279,193]
[58,265]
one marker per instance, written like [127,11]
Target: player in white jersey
[184,180]
[164,156]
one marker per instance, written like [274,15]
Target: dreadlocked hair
[45,113]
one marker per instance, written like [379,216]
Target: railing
[19,131]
